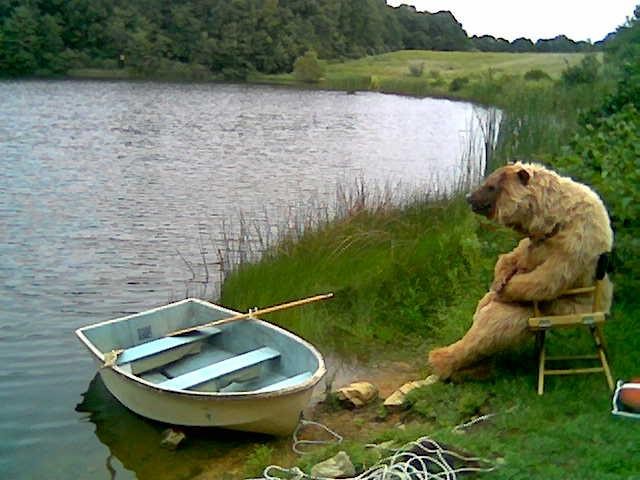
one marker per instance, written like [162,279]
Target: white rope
[304,423]
[463,426]
[423,459]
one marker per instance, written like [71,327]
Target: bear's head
[504,196]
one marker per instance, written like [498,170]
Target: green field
[444,74]
[453,64]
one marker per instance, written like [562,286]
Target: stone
[398,399]
[338,466]
[357,394]
[172,438]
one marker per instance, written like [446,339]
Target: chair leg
[598,339]
[540,337]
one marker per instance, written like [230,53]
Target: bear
[565,228]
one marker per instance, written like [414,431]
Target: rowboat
[195,363]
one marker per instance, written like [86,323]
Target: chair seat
[553,321]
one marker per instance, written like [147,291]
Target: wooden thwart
[221,369]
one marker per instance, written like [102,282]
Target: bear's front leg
[496,326]
[545,282]
[508,265]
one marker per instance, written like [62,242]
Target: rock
[357,394]
[339,466]
[398,399]
[171,438]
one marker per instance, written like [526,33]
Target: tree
[20,42]
[307,68]
[51,46]
[522,45]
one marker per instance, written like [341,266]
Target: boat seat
[162,345]
[287,382]
[221,369]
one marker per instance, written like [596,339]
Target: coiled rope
[422,459]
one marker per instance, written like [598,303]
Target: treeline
[561,43]
[227,37]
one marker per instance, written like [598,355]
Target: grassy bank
[407,278]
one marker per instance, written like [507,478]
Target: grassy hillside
[450,74]
[453,64]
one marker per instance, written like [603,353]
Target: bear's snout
[479,205]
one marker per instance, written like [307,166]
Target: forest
[227,38]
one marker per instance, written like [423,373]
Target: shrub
[416,69]
[458,84]
[605,155]
[307,68]
[258,460]
[536,74]
[585,72]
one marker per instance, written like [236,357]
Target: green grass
[390,72]
[407,279]
[453,64]
[386,272]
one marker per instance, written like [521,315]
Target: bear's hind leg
[496,327]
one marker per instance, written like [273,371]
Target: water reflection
[134,442]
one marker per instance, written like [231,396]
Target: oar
[112,357]
[252,313]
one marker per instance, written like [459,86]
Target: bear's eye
[491,188]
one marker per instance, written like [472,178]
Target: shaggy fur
[566,228]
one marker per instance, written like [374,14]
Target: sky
[533,19]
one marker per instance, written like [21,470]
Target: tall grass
[381,251]
[538,118]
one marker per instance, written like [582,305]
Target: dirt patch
[353,424]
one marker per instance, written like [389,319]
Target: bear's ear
[524,176]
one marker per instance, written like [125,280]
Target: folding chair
[593,320]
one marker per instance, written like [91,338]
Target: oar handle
[253,313]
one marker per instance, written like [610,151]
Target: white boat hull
[274,412]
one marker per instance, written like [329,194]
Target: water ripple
[103,183]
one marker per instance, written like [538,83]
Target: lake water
[108,189]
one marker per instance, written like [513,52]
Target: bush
[458,84]
[307,68]
[536,74]
[416,69]
[585,72]
[605,155]
[259,459]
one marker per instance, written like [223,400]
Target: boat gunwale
[222,396]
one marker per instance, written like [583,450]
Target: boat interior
[242,356]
